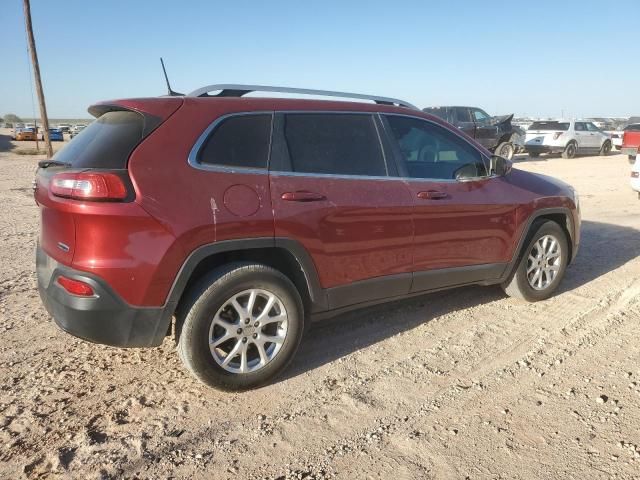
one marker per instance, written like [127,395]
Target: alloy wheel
[543,262]
[248,331]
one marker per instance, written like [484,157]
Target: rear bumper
[543,149]
[104,318]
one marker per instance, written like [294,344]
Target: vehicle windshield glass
[564,126]
[105,143]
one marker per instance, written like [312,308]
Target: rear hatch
[89,176]
[545,133]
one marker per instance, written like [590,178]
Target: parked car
[55,134]
[22,134]
[635,175]
[64,128]
[631,141]
[495,133]
[568,137]
[251,217]
[76,129]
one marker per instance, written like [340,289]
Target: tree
[12,118]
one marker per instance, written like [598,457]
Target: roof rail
[231,90]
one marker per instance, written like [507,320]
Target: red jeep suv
[240,219]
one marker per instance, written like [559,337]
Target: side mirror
[500,166]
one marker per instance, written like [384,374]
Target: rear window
[339,144]
[239,141]
[563,126]
[105,143]
[632,128]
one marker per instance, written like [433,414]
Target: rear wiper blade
[57,163]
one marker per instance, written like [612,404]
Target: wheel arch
[285,255]
[560,215]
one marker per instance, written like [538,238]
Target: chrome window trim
[192,159]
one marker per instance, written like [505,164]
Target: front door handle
[432,195]
[302,196]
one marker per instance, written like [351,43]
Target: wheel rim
[543,262]
[505,151]
[248,331]
[571,150]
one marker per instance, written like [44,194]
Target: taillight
[75,287]
[557,135]
[89,186]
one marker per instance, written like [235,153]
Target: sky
[529,57]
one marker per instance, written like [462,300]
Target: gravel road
[460,384]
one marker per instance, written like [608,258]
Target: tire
[570,150]
[208,311]
[632,158]
[618,147]
[506,150]
[521,284]
[534,154]
[606,148]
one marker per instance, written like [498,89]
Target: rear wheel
[570,150]
[506,150]
[606,148]
[241,326]
[542,264]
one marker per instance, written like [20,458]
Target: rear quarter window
[238,141]
[105,143]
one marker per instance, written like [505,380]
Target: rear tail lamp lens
[557,135]
[89,186]
[76,287]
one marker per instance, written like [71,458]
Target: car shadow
[604,247]
[5,143]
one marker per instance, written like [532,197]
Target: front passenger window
[431,151]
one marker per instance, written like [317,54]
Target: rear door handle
[302,196]
[432,195]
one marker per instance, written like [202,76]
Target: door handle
[302,196]
[432,195]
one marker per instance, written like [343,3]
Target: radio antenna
[170,92]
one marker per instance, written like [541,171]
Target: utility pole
[36,74]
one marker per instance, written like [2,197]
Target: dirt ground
[461,384]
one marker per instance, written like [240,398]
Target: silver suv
[568,137]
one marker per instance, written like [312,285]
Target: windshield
[563,126]
[106,143]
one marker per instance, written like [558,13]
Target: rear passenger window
[239,141]
[339,144]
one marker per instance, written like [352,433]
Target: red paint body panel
[362,229]
[631,139]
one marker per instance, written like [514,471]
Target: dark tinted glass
[340,144]
[440,112]
[580,127]
[240,141]
[461,114]
[105,143]
[430,151]
[632,128]
[562,126]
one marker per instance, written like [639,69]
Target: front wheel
[241,327]
[542,264]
